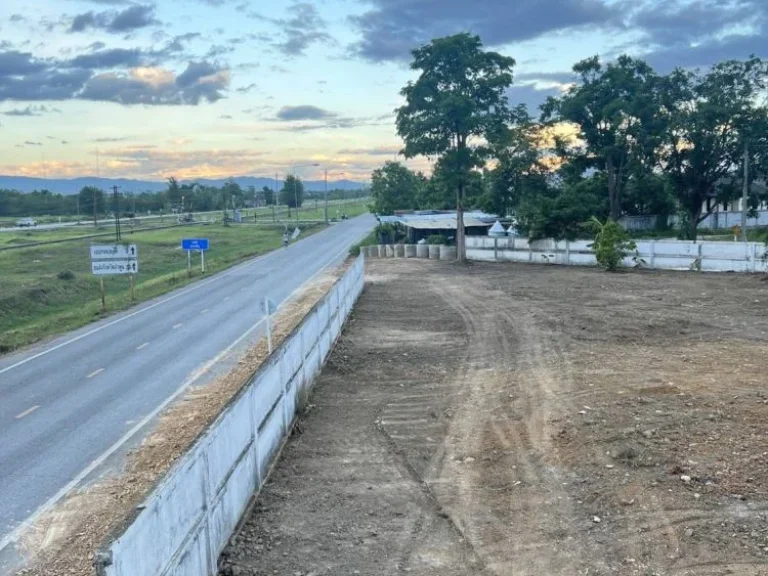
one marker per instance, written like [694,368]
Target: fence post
[495,249]
[652,258]
[567,252]
[701,262]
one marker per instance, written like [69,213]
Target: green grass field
[47,290]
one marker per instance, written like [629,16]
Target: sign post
[112,259]
[198,244]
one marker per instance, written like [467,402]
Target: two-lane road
[68,405]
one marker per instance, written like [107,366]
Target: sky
[219,88]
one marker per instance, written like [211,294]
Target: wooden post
[103,296]
[133,284]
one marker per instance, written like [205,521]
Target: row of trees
[178,197]
[622,140]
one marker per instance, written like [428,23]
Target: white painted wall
[186,521]
[663,255]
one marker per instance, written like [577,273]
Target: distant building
[419,225]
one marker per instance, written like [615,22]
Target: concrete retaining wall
[186,521]
[665,255]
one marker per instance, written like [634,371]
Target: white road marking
[177,326]
[27,412]
[194,287]
[95,372]
[53,500]
[141,346]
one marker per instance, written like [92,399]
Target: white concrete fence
[663,255]
[186,521]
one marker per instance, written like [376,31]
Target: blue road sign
[194,244]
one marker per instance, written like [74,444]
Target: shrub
[436,240]
[66,275]
[612,243]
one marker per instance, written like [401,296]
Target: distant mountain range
[73,186]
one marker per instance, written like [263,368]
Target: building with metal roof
[419,225]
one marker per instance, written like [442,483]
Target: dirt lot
[529,420]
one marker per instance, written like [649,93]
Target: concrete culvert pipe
[410,251]
[399,251]
[447,252]
[422,251]
[434,252]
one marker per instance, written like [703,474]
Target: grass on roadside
[47,290]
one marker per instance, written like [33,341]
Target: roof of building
[432,220]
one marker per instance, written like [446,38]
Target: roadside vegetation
[49,289]
[623,140]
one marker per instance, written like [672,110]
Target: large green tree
[292,193]
[616,110]
[92,201]
[712,118]
[394,187]
[453,109]
[519,170]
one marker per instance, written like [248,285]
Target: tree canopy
[292,193]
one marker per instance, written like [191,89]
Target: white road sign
[114,252]
[110,267]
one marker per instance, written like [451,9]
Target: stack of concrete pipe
[425,251]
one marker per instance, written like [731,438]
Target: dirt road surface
[528,420]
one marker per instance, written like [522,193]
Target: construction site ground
[528,420]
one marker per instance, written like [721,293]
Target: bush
[436,240]
[612,243]
[66,275]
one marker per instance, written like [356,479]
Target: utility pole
[117,212]
[745,193]
[95,220]
[296,197]
[326,196]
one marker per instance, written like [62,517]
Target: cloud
[31,110]
[16,18]
[246,89]
[301,29]
[377,151]
[113,58]
[701,32]
[111,139]
[30,143]
[225,117]
[530,95]
[293,113]
[200,82]
[132,18]
[25,78]
[392,28]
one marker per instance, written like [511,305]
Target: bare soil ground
[528,420]
[65,540]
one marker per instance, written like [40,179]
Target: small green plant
[67,275]
[436,240]
[612,243]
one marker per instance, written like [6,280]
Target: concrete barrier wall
[186,521]
[664,255]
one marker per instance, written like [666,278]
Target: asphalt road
[68,405]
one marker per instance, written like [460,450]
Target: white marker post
[189,259]
[269,329]
[202,260]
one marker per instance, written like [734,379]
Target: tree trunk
[613,199]
[461,250]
